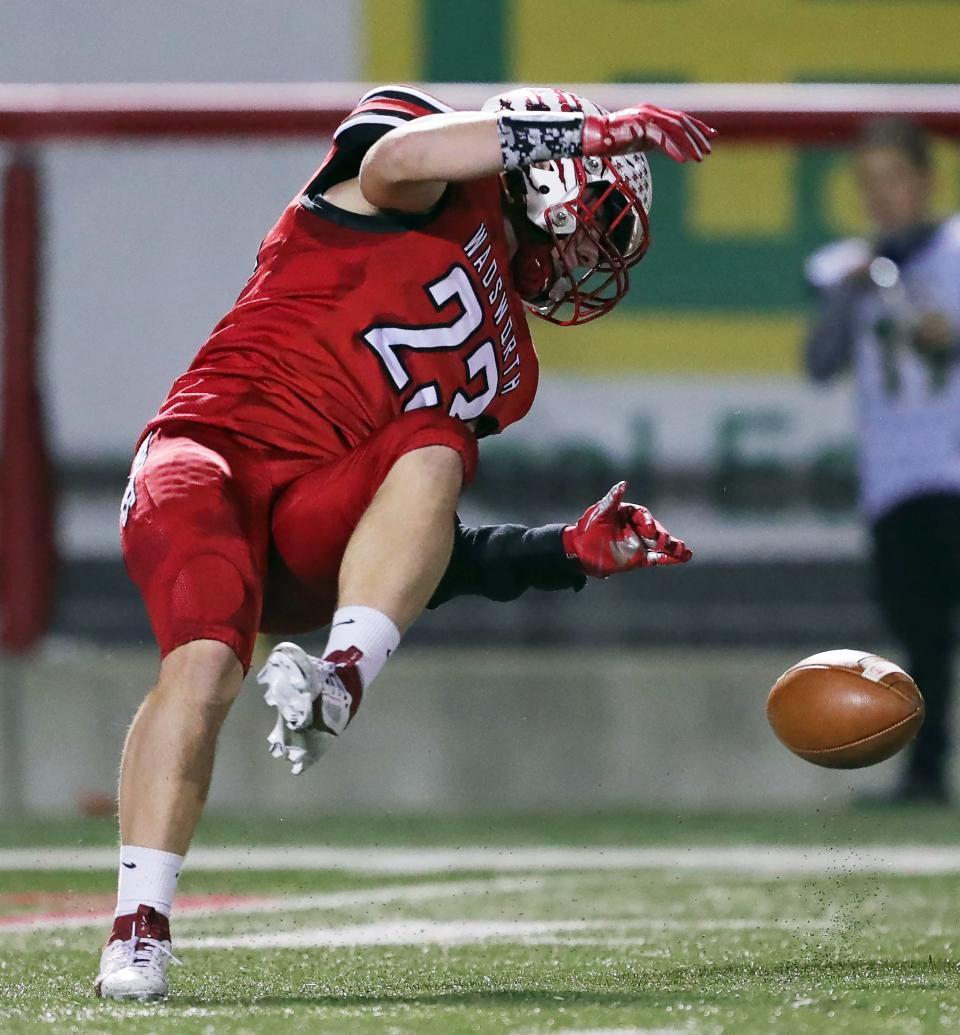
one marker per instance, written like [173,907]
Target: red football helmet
[581,223]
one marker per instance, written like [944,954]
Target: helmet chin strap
[513,244]
[532,264]
[533,272]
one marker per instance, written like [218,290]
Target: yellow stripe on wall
[740,41]
[749,192]
[392,41]
[688,343]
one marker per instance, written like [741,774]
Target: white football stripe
[757,859]
[391,932]
[617,1031]
[290,903]
[466,932]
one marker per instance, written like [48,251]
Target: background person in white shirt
[889,309]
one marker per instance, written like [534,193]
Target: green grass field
[721,940]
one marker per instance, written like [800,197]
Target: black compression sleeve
[502,561]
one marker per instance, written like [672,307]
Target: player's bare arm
[409,168]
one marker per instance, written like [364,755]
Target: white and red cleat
[134,962]
[315,700]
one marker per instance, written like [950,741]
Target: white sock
[368,630]
[147,877]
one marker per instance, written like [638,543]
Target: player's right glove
[613,536]
[680,135]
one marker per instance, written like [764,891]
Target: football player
[306,469]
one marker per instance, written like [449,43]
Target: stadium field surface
[629,922]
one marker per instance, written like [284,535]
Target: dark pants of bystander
[916,563]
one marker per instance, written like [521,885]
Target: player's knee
[204,675]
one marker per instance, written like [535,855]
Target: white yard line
[464,932]
[617,1031]
[289,904]
[654,923]
[756,859]
[390,932]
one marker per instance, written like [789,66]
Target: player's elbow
[386,168]
[392,176]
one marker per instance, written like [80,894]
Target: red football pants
[225,536]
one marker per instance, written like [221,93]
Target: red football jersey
[350,320]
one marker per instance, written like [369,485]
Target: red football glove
[613,536]
[636,129]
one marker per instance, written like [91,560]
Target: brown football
[845,709]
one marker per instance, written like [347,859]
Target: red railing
[803,113]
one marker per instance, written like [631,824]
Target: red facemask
[552,274]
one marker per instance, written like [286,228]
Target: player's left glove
[678,134]
[614,536]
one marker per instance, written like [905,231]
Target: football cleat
[134,962]
[315,700]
